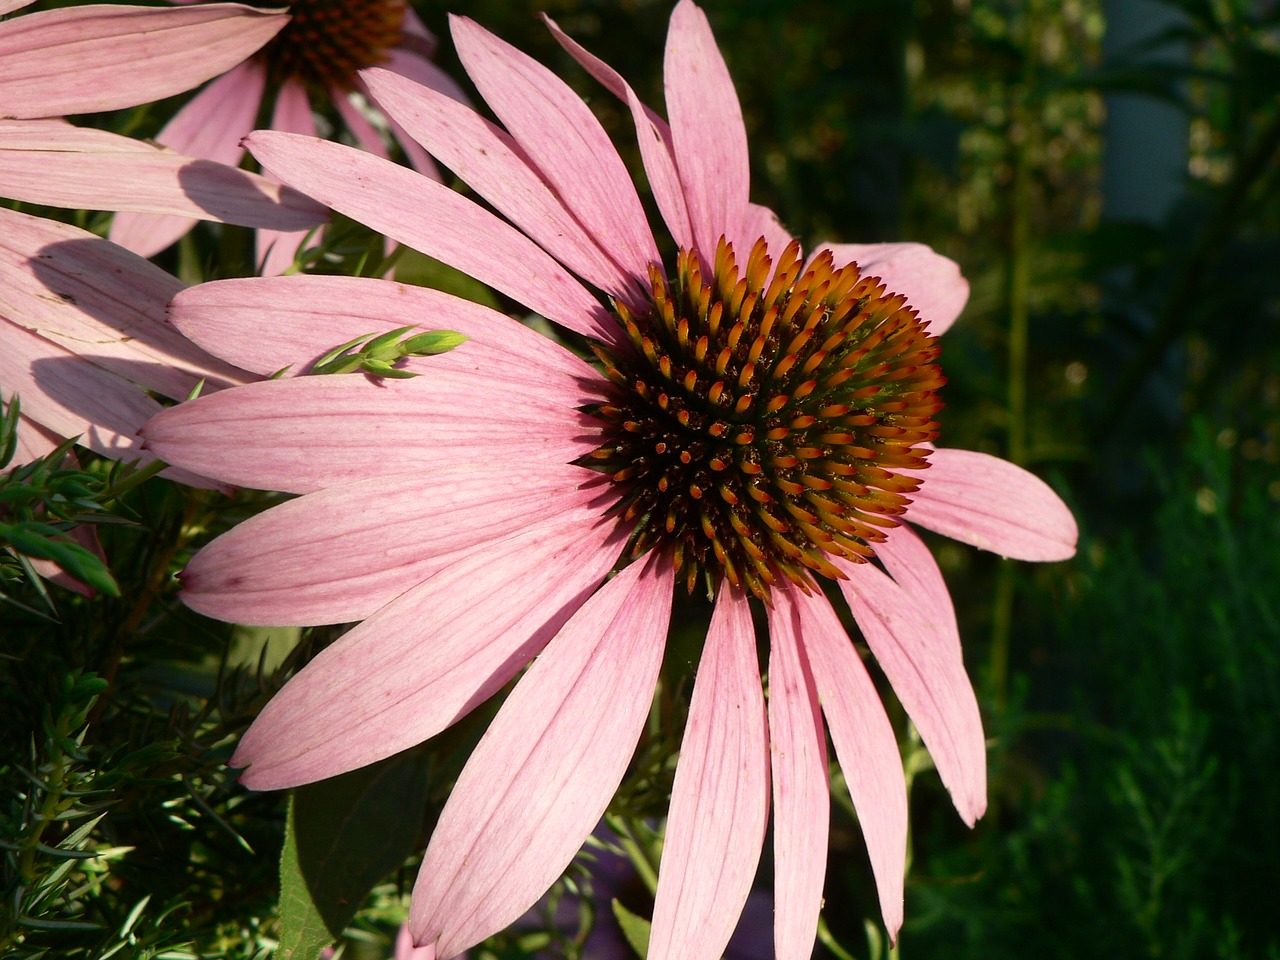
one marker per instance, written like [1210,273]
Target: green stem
[1018,309]
[132,479]
[636,853]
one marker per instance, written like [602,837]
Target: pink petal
[865,744]
[68,396]
[33,441]
[652,133]
[277,249]
[8,6]
[53,163]
[494,166]
[104,56]
[263,324]
[367,136]
[414,65]
[100,302]
[910,563]
[709,137]
[417,68]
[311,432]
[760,221]
[71,396]
[327,557]
[209,127]
[990,503]
[542,776]
[430,656]
[920,661]
[215,120]
[801,801]
[564,141]
[405,950]
[931,282]
[720,798]
[434,220]
[417,36]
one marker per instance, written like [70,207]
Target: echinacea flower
[757,426]
[312,62]
[98,57]
[83,336]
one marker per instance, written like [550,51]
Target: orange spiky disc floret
[759,418]
[327,41]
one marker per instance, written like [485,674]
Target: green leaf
[432,342]
[42,541]
[343,836]
[634,928]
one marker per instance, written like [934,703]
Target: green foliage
[376,354]
[635,929]
[342,837]
[1147,837]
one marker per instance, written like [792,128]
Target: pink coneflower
[757,427]
[313,62]
[103,57]
[82,331]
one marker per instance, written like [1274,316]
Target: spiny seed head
[327,41]
[759,416]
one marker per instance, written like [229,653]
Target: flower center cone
[759,417]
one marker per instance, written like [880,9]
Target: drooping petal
[264,324]
[652,133]
[760,221]
[366,134]
[216,119]
[277,249]
[542,776]
[564,141]
[988,502]
[494,166]
[434,220]
[801,799]
[931,282]
[720,797]
[103,56]
[100,302]
[53,163]
[69,396]
[209,127]
[428,657]
[708,134]
[310,432]
[416,66]
[919,659]
[910,563]
[408,64]
[338,554]
[865,744]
